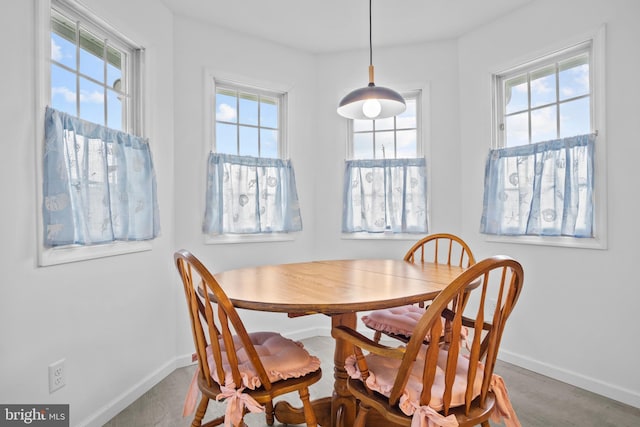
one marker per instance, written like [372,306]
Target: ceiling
[321,26]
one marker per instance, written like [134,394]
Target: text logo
[34,415]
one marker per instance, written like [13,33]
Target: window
[95,73]
[251,191]
[547,100]
[385,184]
[98,186]
[248,121]
[392,138]
[544,176]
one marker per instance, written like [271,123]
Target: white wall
[202,50]
[575,320]
[432,66]
[120,321]
[112,319]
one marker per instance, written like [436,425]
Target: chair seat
[396,320]
[399,322]
[281,357]
[384,370]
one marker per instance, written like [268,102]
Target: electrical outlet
[56,375]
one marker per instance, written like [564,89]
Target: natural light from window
[86,74]
[247,123]
[547,103]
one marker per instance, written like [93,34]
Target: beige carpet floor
[539,401]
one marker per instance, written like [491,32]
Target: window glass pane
[269,112]
[91,56]
[407,120]
[258,117]
[93,82]
[516,94]
[363,146]
[226,106]
[114,110]
[114,67]
[248,140]
[406,144]
[268,143]
[574,77]
[62,51]
[362,125]
[63,40]
[543,86]
[63,90]
[544,124]
[248,110]
[385,147]
[385,124]
[91,102]
[517,130]
[575,117]
[226,138]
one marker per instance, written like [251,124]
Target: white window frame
[597,81]
[423,124]
[282,112]
[285,119]
[64,254]
[413,94]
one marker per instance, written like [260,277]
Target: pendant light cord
[370,40]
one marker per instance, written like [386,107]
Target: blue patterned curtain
[99,184]
[543,189]
[385,195]
[250,195]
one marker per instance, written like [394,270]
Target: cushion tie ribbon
[236,402]
[503,411]
[426,416]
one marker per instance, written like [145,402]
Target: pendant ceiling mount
[371,102]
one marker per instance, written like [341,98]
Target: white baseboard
[626,396]
[114,407]
[308,333]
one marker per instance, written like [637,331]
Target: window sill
[224,239]
[66,254]
[382,236]
[560,241]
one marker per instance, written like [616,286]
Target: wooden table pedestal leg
[343,404]
[339,410]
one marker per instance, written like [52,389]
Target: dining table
[338,289]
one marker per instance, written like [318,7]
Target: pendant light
[371,102]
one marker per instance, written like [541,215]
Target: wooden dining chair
[441,248]
[442,383]
[247,370]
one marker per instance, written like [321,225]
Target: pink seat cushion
[396,320]
[281,357]
[383,372]
[402,321]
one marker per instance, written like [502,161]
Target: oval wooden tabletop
[335,286]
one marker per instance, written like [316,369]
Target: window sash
[523,74]
[381,132]
[89,30]
[248,131]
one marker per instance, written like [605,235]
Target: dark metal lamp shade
[371,103]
